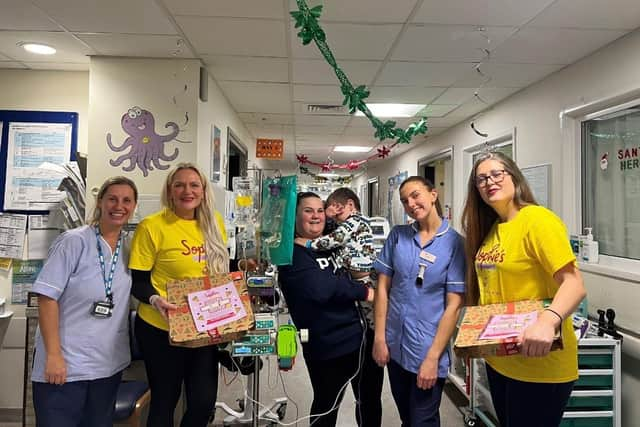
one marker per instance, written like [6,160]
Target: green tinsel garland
[310,30]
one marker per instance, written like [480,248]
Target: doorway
[373,197]
[237,158]
[438,168]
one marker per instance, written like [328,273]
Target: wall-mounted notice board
[28,139]
[539,179]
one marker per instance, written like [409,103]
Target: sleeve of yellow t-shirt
[548,241]
[143,248]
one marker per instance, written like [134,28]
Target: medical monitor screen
[377,230]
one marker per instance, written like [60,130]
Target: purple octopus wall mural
[147,146]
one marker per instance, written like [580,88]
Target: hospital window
[611,180]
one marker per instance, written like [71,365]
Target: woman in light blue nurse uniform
[82,342]
[418,299]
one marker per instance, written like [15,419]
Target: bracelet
[556,313]
[308,244]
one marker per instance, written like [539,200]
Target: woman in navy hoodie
[324,302]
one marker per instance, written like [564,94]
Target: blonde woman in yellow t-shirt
[517,250]
[184,239]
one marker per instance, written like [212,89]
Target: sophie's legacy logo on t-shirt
[198,253]
[487,259]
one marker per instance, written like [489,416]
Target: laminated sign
[225,314]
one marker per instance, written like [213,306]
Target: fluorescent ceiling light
[351,149]
[38,48]
[393,110]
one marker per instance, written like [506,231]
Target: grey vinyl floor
[295,386]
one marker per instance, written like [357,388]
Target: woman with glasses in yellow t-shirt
[517,250]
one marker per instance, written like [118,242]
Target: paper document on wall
[25,274]
[40,236]
[29,145]
[13,229]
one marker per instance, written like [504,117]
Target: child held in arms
[353,236]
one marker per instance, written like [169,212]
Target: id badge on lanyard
[104,309]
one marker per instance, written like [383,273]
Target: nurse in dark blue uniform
[419,296]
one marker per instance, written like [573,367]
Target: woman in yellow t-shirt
[185,239]
[517,250]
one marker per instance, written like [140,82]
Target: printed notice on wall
[24,274]
[13,228]
[27,186]
[539,179]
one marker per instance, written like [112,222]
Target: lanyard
[114,260]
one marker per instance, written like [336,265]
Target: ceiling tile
[436,110]
[257,97]
[268,119]
[479,12]
[358,129]
[459,95]
[611,14]
[68,48]
[23,15]
[228,8]
[467,110]
[61,66]
[302,130]
[422,73]
[506,75]
[329,94]
[533,45]
[351,41]
[12,65]
[234,36]
[442,122]
[245,68]
[361,10]
[320,72]
[113,16]
[149,46]
[337,123]
[448,43]
[404,94]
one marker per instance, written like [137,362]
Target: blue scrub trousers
[76,404]
[417,407]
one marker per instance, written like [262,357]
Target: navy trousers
[417,407]
[525,404]
[168,367]
[328,378]
[76,404]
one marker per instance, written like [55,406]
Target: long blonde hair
[114,180]
[217,255]
[478,217]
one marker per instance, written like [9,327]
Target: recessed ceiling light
[352,149]
[393,110]
[38,48]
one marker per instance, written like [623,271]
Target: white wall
[48,91]
[41,91]
[218,111]
[155,85]
[534,112]
[101,97]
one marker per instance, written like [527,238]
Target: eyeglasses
[497,176]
